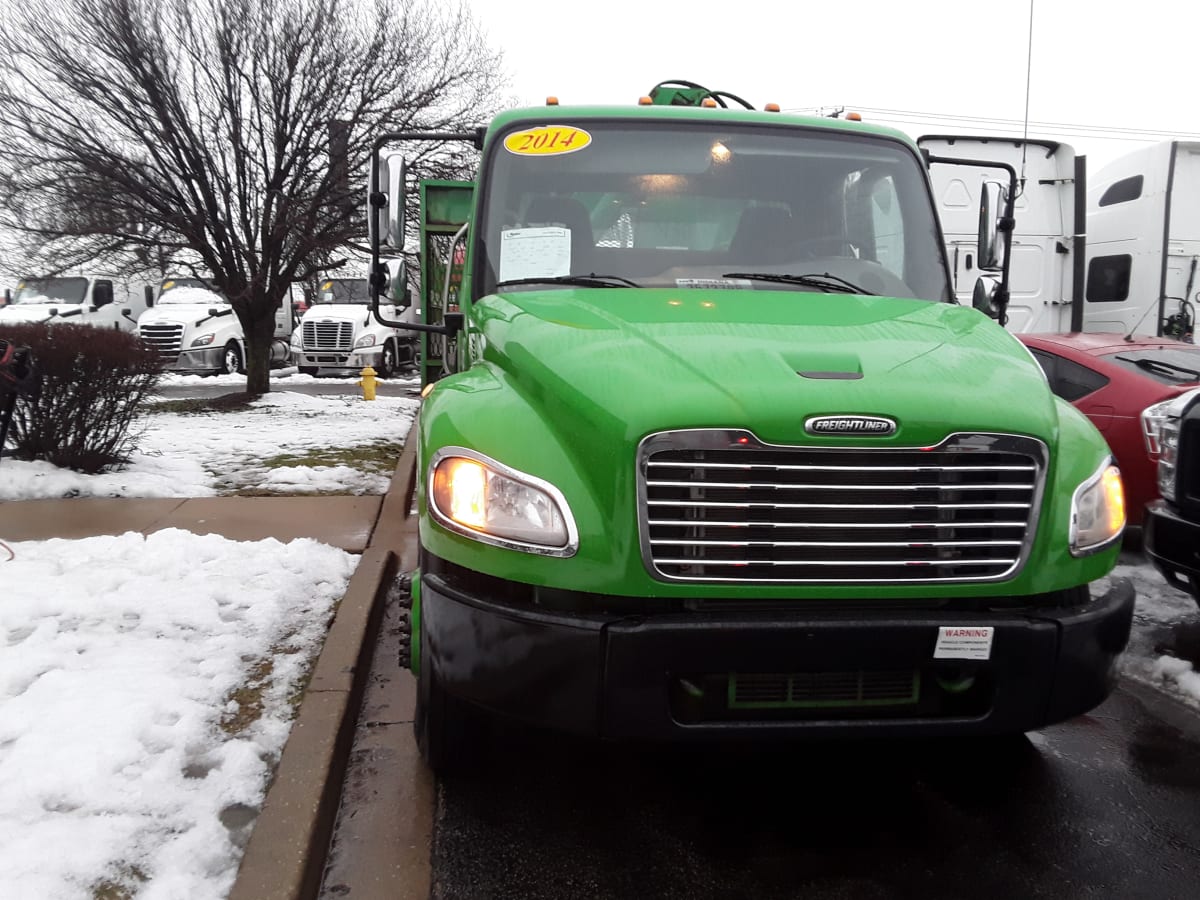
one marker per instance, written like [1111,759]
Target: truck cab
[337,332]
[99,300]
[196,332]
[719,454]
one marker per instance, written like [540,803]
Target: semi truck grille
[165,339]
[327,335]
[720,506]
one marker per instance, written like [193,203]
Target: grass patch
[203,405]
[374,458]
[133,878]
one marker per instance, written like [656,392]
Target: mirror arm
[1005,225]
[453,322]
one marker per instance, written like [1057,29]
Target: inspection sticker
[964,642]
[549,140]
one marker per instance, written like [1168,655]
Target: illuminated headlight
[485,500]
[367,340]
[204,340]
[1097,511]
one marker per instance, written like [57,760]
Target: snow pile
[1163,621]
[200,455]
[131,751]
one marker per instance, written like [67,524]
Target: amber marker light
[1114,491]
[853,117]
[427,390]
[552,101]
[708,103]
[772,107]
[644,101]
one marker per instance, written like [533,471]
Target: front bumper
[676,676]
[202,361]
[334,359]
[1173,544]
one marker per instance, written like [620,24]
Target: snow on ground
[1163,619]
[132,759]
[205,454]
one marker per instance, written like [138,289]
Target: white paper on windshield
[535,253]
[714,283]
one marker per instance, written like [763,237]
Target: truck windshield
[51,290]
[688,205]
[344,290]
[189,291]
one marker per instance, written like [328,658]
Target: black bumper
[672,676]
[1173,543]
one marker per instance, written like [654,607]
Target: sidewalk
[345,522]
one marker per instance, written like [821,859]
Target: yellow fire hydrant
[367,383]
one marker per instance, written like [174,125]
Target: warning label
[964,642]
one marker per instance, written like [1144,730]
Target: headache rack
[721,506]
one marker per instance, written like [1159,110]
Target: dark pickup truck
[1173,523]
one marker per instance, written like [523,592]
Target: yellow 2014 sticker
[549,140]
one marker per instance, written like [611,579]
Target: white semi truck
[338,332]
[96,299]
[1144,242]
[1048,246]
[196,331]
[1114,251]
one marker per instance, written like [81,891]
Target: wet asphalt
[1107,805]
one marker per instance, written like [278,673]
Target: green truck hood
[626,362]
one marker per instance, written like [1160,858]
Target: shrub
[90,383]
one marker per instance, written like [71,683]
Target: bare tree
[200,131]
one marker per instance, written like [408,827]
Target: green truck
[709,449]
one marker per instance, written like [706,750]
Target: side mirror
[148,293]
[398,284]
[213,312]
[385,221]
[981,297]
[991,206]
[102,294]
[127,314]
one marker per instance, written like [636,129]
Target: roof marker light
[854,117]
[708,103]
[772,107]
[552,101]
[644,100]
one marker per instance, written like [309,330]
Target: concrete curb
[286,852]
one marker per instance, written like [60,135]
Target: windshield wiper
[821,280]
[592,280]
[1163,368]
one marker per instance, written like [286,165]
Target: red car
[1117,383]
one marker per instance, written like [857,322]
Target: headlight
[204,340]
[1152,420]
[1168,456]
[367,340]
[478,497]
[1097,511]
[1167,433]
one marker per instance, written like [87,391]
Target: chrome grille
[327,335]
[721,506]
[165,338]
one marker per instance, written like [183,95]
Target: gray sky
[1129,69]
